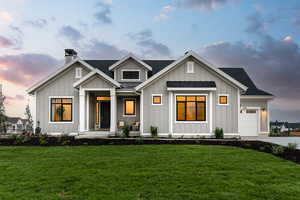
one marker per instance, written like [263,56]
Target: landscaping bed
[288,153]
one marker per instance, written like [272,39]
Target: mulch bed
[288,154]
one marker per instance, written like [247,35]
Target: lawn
[145,172]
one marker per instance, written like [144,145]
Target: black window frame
[160,102]
[134,107]
[196,107]
[61,104]
[130,71]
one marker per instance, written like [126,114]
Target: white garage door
[249,122]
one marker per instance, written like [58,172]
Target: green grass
[145,172]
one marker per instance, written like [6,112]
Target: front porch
[103,112]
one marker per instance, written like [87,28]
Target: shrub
[277,149]
[43,140]
[126,130]
[292,146]
[262,148]
[219,134]
[247,145]
[153,131]
[38,129]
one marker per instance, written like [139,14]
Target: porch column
[113,110]
[81,110]
[87,111]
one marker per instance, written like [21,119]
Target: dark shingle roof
[201,84]
[238,74]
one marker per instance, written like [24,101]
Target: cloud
[287,38]
[26,69]
[38,23]
[17,97]
[16,29]
[102,50]
[6,17]
[200,4]
[10,43]
[103,15]
[255,23]
[168,8]
[162,17]
[70,33]
[150,47]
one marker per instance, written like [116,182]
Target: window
[156,99]
[223,99]
[191,108]
[131,75]
[78,72]
[61,110]
[129,107]
[103,98]
[190,67]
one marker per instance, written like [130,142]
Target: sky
[260,35]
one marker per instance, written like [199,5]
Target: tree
[29,119]
[3,117]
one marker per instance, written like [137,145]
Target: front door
[105,114]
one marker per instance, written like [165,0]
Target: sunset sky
[260,35]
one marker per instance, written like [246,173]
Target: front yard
[145,172]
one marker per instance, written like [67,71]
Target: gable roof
[242,76]
[65,67]
[130,55]
[93,72]
[193,54]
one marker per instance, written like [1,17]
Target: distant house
[16,125]
[284,126]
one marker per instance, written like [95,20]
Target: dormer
[130,69]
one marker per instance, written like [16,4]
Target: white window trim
[124,107]
[78,72]
[161,99]
[61,97]
[131,70]
[187,67]
[221,95]
[192,122]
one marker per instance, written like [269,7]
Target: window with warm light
[223,100]
[156,100]
[61,110]
[103,98]
[129,107]
[191,108]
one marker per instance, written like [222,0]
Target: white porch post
[171,113]
[142,113]
[113,110]
[81,110]
[210,113]
[87,111]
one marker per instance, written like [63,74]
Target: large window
[191,108]
[129,107]
[131,75]
[61,110]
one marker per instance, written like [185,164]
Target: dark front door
[105,114]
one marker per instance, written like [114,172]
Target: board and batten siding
[61,85]
[131,65]
[96,82]
[263,115]
[225,117]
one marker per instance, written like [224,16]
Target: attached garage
[249,122]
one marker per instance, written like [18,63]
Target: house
[16,125]
[187,97]
[284,126]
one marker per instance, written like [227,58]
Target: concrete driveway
[282,140]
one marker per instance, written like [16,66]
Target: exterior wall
[264,121]
[120,110]
[130,64]
[96,82]
[225,117]
[61,85]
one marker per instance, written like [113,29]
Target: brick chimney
[70,54]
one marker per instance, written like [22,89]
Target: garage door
[249,122]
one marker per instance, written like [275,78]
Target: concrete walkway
[282,140]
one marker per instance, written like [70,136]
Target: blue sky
[260,35]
